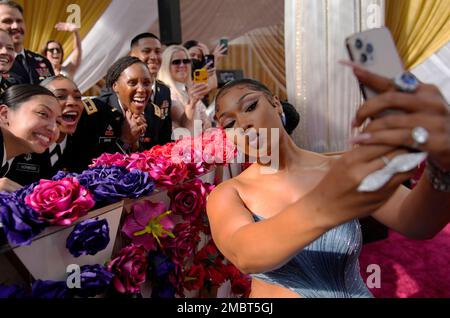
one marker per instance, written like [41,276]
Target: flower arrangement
[167,246]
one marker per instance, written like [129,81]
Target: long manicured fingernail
[360,138]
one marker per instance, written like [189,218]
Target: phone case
[200,76]
[375,51]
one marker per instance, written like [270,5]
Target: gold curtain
[420,27]
[260,54]
[42,15]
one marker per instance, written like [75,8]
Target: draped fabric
[110,37]
[42,15]
[436,70]
[209,20]
[420,27]
[325,93]
[260,54]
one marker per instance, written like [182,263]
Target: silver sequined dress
[326,268]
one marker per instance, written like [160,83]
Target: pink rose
[217,148]
[189,199]
[137,161]
[187,150]
[108,160]
[129,269]
[60,202]
[147,223]
[166,173]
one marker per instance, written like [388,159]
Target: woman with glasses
[187,106]
[54,51]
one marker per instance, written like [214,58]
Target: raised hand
[67,27]
[133,127]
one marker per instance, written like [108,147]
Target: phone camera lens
[358,44]
[369,48]
[363,58]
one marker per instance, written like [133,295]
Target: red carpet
[410,269]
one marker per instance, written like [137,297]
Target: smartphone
[200,76]
[375,51]
[224,42]
[209,59]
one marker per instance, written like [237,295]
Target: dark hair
[59,77]
[138,37]
[44,50]
[292,117]
[250,83]
[118,67]
[190,44]
[12,4]
[16,95]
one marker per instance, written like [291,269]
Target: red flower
[108,160]
[129,269]
[166,173]
[160,151]
[184,244]
[216,273]
[240,283]
[189,199]
[194,278]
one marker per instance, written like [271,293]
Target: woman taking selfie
[296,230]
[187,106]
[28,123]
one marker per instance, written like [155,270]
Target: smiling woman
[28,122]
[29,168]
[115,121]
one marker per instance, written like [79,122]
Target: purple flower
[50,289]
[95,280]
[112,184]
[21,223]
[147,223]
[163,291]
[88,238]
[62,174]
[159,265]
[12,292]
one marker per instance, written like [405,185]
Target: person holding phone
[187,105]
[202,59]
[296,231]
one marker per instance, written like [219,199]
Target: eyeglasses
[55,49]
[179,61]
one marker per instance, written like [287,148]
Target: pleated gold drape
[42,15]
[420,27]
[260,54]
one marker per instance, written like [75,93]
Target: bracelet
[440,180]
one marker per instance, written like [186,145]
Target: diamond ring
[385,160]
[420,136]
[406,82]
